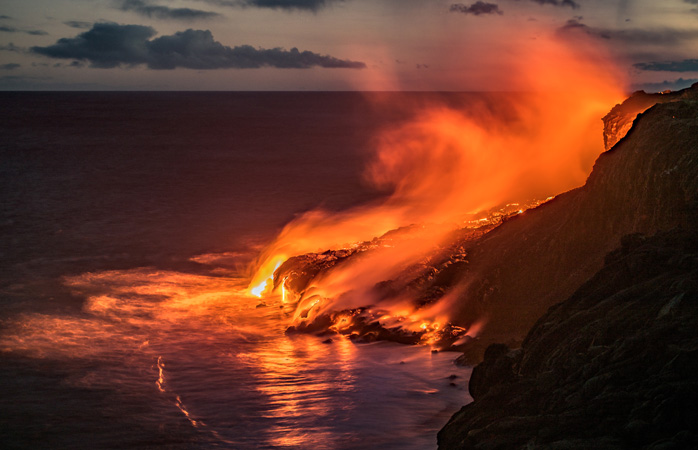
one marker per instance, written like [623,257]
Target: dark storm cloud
[477,8]
[10,66]
[78,24]
[109,45]
[660,36]
[164,12]
[687,65]
[4,17]
[18,30]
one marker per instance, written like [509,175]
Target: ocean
[128,223]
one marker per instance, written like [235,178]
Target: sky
[403,45]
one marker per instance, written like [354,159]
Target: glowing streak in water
[178,403]
[181,407]
[161,375]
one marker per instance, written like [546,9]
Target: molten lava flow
[445,165]
[267,282]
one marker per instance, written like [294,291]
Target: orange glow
[160,383]
[446,164]
[186,413]
[283,290]
[299,398]
[266,275]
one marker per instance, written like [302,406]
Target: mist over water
[128,220]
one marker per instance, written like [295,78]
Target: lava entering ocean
[442,168]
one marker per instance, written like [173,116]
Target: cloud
[571,3]
[307,5]
[4,17]
[692,2]
[10,66]
[105,45]
[658,36]
[664,85]
[78,24]
[477,8]
[109,45]
[18,30]
[312,5]
[164,12]
[686,65]
[12,48]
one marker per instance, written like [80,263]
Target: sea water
[128,223]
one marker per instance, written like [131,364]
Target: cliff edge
[612,367]
[619,120]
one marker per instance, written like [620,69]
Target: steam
[446,164]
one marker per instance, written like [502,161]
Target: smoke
[445,164]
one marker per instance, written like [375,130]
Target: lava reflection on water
[193,349]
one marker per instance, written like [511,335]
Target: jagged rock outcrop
[612,367]
[619,120]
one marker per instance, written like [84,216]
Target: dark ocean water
[127,221]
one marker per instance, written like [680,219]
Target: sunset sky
[327,44]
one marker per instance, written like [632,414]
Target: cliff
[614,366]
[619,120]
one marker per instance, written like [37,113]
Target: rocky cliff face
[619,120]
[614,366]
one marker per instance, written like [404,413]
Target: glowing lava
[267,277]
[445,165]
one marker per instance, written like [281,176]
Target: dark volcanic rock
[614,366]
[619,120]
